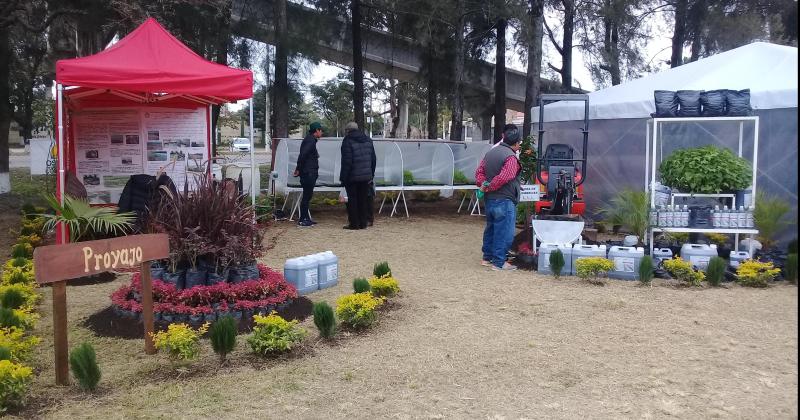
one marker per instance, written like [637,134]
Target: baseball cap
[316,125]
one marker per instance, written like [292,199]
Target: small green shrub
[83,363]
[273,334]
[408,178]
[324,319]
[646,270]
[715,272]
[26,291]
[556,262]
[358,309]
[790,268]
[591,268]
[14,379]
[768,218]
[5,353]
[720,239]
[28,209]
[381,269]
[13,299]
[223,336]
[683,271]
[459,178]
[8,318]
[360,285]
[22,250]
[385,286]
[17,276]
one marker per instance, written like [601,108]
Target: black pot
[212,317]
[195,277]
[215,278]
[724,252]
[177,279]
[156,272]
[168,317]
[243,272]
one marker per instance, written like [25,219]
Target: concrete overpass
[391,56]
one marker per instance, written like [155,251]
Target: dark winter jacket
[308,159]
[139,193]
[358,158]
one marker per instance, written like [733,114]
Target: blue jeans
[501,219]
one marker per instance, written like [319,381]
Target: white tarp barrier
[40,156]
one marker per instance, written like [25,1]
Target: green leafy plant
[357,310]
[14,380]
[715,272]
[85,221]
[360,285]
[385,286]
[13,299]
[324,319]
[459,178]
[9,318]
[22,250]
[556,260]
[5,353]
[790,268]
[768,218]
[381,269]
[683,271]
[630,209]
[591,268]
[646,270]
[752,273]
[705,170]
[720,239]
[527,158]
[273,334]
[408,178]
[180,341]
[33,239]
[524,210]
[83,363]
[222,334]
[17,276]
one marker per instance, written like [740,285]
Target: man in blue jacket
[358,171]
[308,171]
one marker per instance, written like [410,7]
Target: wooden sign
[55,264]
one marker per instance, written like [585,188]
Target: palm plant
[631,209]
[768,218]
[85,221]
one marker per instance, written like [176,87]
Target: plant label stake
[55,264]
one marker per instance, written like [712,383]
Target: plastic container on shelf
[328,269]
[626,262]
[544,257]
[585,251]
[715,217]
[661,254]
[653,217]
[662,216]
[737,257]
[662,194]
[725,218]
[749,221]
[742,217]
[698,254]
[733,219]
[302,273]
[685,216]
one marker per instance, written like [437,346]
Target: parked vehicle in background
[240,144]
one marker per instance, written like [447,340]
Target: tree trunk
[5,108]
[281,72]
[358,65]
[566,45]
[679,33]
[458,74]
[611,47]
[433,107]
[697,15]
[394,111]
[221,58]
[534,71]
[500,79]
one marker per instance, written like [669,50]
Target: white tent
[619,117]
[768,70]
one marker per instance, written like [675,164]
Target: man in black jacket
[308,171]
[358,170]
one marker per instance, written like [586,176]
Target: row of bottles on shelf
[725,218]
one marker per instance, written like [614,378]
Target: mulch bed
[108,323]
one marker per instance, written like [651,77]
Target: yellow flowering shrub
[754,273]
[593,267]
[17,275]
[17,343]
[32,239]
[25,264]
[358,309]
[385,286]
[180,341]
[28,317]
[272,334]
[682,270]
[14,379]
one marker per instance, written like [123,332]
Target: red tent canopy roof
[151,60]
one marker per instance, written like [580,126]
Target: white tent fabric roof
[768,70]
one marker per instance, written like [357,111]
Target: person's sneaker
[505,267]
[305,223]
[348,227]
[313,222]
[486,263]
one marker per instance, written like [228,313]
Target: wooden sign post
[55,264]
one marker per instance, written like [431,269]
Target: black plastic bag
[689,103]
[666,104]
[713,103]
[737,103]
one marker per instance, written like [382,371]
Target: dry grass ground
[463,342]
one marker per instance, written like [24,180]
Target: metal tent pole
[61,155]
[253,168]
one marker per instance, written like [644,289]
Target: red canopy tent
[148,67]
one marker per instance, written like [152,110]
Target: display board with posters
[110,146]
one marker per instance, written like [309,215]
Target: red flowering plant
[201,310]
[525,249]
[223,307]
[164,308]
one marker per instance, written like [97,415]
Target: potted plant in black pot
[721,240]
[194,246]
[705,170]
[525,257]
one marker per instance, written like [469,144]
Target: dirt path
[465,342]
